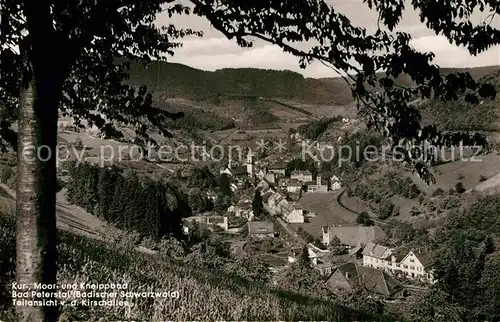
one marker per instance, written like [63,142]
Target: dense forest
[197,119]
[314,129]
[148,207]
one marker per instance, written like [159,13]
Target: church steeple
[250,162]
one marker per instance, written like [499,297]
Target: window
[405,266]
[398,265]
[412,260]
[412,267]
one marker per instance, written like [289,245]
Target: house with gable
[345,277]
[260,229]
[417,264]
[291,185]
[316,255]
[276,202]
[292,213]
[335,183]
[377,256]
[242,209]
[277,168]
[352,236]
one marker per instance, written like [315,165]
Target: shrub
[459,187]
[385,210]
[364,219]
[438,192]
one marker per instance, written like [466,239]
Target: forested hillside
[131,203]
[216,99]
[177,80]
[462,115]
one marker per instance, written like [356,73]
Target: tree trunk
[28,247]
[37,143]
[35,206]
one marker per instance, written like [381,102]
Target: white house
[263,185]
[376,256]
[301,176]
[276,202]
[317,186]
[242,209]
[291,186]
[314,254]
[416,265]
[335,183]
[270,177]
[293,213]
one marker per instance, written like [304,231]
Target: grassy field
[327,210]
[204,293]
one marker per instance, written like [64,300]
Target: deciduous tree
[73,59]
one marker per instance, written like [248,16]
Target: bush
[459,187]
[364,219]
[438,192]
[149,243]
[385,210]
[78,144]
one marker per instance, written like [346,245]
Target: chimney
[229,164]
[347,275]
[318,180]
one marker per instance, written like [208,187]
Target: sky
[214,51]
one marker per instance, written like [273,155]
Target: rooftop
[239,170]
[374,280]
[301,172]
[354,235]
[377,251]
[260,227]
[277,166]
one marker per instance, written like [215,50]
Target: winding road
[339,201]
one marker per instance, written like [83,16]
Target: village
[345,254]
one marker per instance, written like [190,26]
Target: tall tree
[257,204]
[73,49]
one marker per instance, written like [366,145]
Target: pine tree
[304,260]
[105,191]
[224,185]
[257,204]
